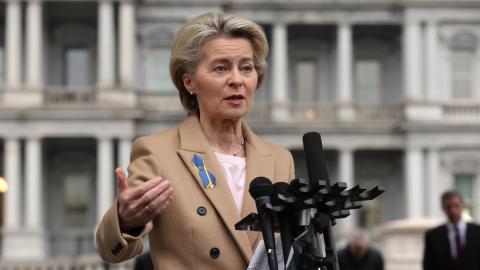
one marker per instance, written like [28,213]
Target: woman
[188,186]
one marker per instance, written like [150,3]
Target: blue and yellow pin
[208,179]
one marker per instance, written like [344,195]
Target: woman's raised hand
[139,205]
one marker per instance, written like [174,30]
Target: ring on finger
[148,207]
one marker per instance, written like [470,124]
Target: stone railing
[462,111]
[312,111]
[72,243]
[160,102]
[85,262]
[60,96]
[379,113]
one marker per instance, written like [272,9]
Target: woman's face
[225,80]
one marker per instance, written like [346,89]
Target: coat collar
[260,162]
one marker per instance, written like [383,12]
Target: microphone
[284,200]
[316,166]
[261,190]
[317,170]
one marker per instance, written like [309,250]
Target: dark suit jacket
[437,255]
[182,238]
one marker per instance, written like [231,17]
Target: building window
[76,200]
[77,68]
[465,184]
[462,71]
[157,71]
[306,74]
[367,85]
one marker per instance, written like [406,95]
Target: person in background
[188,186]
[359,255]
[456,244]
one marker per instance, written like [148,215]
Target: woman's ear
[188,82]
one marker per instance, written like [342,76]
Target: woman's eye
[220,69]
[247,68]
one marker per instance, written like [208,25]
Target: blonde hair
[188,44]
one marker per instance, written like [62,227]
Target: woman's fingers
[139,191]
[139,205]
[154,192]
[121,180]
[161,202]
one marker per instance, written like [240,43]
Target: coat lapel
[259,163]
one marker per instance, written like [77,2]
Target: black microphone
[317,170]
[316,165]
[284,200]
[261,190]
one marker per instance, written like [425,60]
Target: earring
[191,93]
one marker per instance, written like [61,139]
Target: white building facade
[393,87]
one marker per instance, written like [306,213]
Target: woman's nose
[236,79]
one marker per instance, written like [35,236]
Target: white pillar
[344,63]
[12,176]
[124,150]
[13,45]
[33,184]
[280,72]
[346,174]
[431,59]
[344,71]
[105,176]
[34,44]
[12,233]
[433,183]
[412,64]
[127,42]
[414,182]
[106,46]
[34,237]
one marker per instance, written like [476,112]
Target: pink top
[235,169]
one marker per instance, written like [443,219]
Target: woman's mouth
[234,99]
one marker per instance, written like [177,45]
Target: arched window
[463,48]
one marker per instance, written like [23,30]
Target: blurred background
[393,87]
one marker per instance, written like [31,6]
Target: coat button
[215,253]
[202,211]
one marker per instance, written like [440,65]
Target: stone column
[432,55]
[414,175]
[34,44]
[13,45]
[127,42]
[11,233]
[346,173]
[106,46]
[412,64]
[105,176]
[34,229]
[344,71]
[433,183]
[280,110]
[124,149]
[12,176]
[33,184]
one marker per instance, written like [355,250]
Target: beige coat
[181,238]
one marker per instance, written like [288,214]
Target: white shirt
[235,171]
[462,229]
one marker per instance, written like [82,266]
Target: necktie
[458,245]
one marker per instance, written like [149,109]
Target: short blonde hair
[188,44]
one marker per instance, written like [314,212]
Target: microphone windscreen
[316,166]
[260,186]
[281,188]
